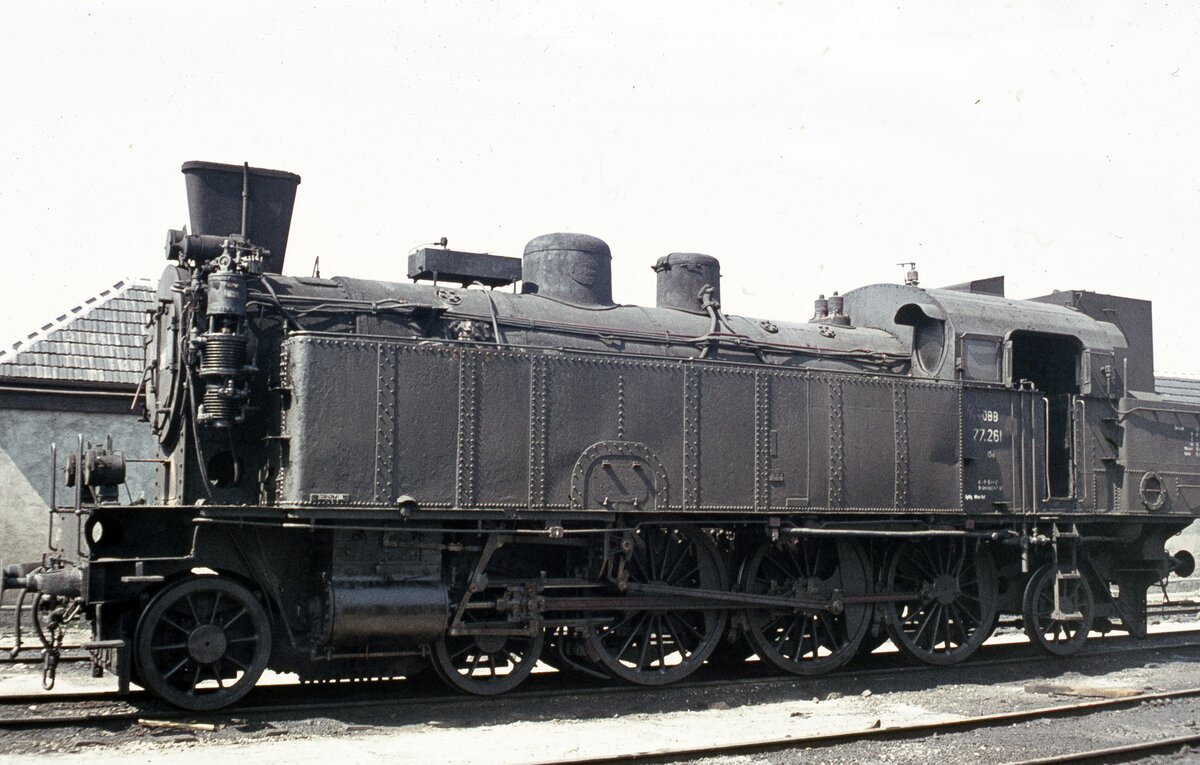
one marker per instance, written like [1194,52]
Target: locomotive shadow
[567,697]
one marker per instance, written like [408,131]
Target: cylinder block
[368,611]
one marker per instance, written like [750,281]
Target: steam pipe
[53,497]
[245,196]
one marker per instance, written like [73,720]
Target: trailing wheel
[486,665]
[954,587]
[203,643]
[661,645]
[1062,633]
[807,641]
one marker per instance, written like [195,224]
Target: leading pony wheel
[486,665]
[203,643]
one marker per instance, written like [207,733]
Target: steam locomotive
[366,479]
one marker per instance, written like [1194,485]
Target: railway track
[92,709]
[1112,754]
[32,654]
[903,732]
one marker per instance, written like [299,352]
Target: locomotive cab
[1025,369]
[1050,364]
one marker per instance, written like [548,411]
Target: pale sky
[811,147]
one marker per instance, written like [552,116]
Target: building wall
[25,438]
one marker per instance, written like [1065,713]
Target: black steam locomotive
[363,479]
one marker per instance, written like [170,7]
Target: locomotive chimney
[226,200]
[683,278]
[573,268]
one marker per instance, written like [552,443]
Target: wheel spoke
[648,548]
[661,634]
[633,634]
[961,615]
[635,560]
[960,563]
[645,646]
[799,559]
[828,625]
[237,616]
[976,614]
[914,616]
[192,607]
[182,663]
[946,627]
[688,575]
[795,645]
[802,637]
[782,639]
[924,621]
[246,639]
[629,617]
[945,556]
[813,624]
[669,576]
[669,545]
[682,619]
[783,570]
[925,568]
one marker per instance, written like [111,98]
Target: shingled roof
[98,341]
[1183,389]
